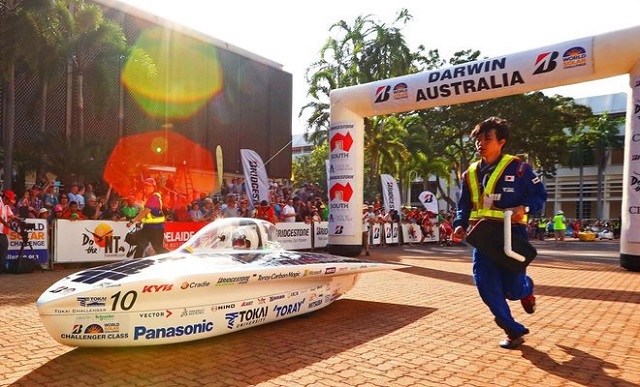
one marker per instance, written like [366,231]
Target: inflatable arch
[601,56]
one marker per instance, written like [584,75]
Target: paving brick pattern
[420,326]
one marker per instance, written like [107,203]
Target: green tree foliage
[42,37]
[385,151]
[362,52]
[92,42]
[603,135]
[432,142]
[20,49]
[312,168]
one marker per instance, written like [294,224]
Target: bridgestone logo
[392,203]
[293,233]
[253,179]
[232,280]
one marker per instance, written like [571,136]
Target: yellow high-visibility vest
[478,211]
[149,218]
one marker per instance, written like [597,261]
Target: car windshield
[234,234]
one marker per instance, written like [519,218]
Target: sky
[292,33]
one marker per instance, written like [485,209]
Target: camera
[21,225]
[21,228]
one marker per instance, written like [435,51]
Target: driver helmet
[245,238]
[239,241]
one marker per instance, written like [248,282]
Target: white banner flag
[255,176]
[429,201]
[327,168]
[390,193]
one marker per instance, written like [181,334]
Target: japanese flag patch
[509,178]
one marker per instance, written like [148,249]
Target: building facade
[571,188]
[251,106]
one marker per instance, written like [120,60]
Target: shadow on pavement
[244,358]
[583,368]
[547,290]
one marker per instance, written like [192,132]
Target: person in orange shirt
[266,212]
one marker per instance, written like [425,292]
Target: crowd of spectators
[287,203]
[542,227]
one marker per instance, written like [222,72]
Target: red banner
[176,233]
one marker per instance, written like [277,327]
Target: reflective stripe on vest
[478,212]
[150,219]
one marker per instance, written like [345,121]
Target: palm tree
[384,148]
[91,41]
[48,46]
[17,32]
[362,52]
[578,144]
[603,136]
[425,160]
[62,156]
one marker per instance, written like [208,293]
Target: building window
[586,210]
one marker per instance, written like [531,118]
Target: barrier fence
[66,241]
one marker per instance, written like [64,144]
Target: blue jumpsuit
[518,185]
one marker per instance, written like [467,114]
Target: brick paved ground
[420,326]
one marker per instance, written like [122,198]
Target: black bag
[132,236]
[23,266]
[488,237]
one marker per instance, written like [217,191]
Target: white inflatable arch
[581,60]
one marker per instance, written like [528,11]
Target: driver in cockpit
[239,240]
[245,238]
